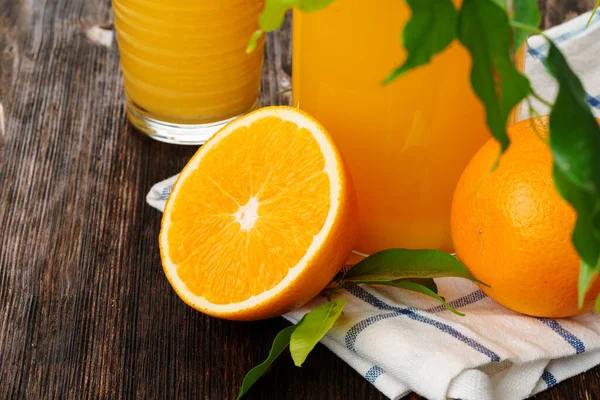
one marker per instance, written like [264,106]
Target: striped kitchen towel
[580,46]
[401,341]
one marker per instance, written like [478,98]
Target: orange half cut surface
[261,218]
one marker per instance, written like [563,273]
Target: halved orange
[261,218]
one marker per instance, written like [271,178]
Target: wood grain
[556,12]
[85,310]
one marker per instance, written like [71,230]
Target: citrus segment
[261,218]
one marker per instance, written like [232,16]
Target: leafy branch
[301,339]
[412,270]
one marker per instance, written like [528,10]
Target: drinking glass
[185,67]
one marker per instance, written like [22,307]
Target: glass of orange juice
[186,72]
[406,143]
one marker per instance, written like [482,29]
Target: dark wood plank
[85,311]
[556,12]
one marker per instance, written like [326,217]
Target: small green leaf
[575,144]
[527,12]
[274,11]
[313,327]
[430,30]
[279,344]
[254,40]
[587,277]
[429,283]
[394,264]
[312,5]
[415,287]
[273,14]
[598,304]
[483,28]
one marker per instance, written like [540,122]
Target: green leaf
[430,30]
[429,283]
[483,28]
[394,264]
[587,277]
[503,4]
[273,14]
[574,131]
[311,5]
[527,12]
[422,282]
[586,234]
[575,144]
[279,344]
[598,303]
[415,287]
[313,327]
[254,40]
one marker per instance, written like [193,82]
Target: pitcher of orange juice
[406,143]
[184,64]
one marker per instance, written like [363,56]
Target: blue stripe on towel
[594,102]
[373,373]
[567,35]
[450,330]
[166,192]
[536,53]
[352,334]
[464,301]
[367,297]
[548,378]
[573,340]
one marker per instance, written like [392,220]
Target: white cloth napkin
[401,341]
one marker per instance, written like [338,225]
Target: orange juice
[406,143]
[184,61]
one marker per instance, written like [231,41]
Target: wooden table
[85,310]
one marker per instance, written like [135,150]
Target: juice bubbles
[406,143]
[184,61]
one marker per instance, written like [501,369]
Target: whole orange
[512,230]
